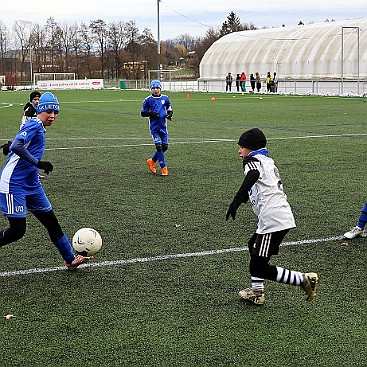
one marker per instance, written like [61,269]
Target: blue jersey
[19,175]
[160,105]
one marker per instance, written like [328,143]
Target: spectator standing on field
[361,224]
[263,187]
[243,82]
[252,82]
[269,81]
[21,189]
[238,82]
[229,80]
[258,81]
[158,108]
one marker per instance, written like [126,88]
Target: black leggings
[17,228]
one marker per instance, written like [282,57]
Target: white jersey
[269,202]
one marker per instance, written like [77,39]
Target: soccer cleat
[309,285]
[151,165]
[78,260]
[256,298]
[353,233]
[165,171]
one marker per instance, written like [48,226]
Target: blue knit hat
[155,84]
[48,102]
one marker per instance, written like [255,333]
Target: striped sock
[289,276]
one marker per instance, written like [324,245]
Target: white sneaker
[354,232]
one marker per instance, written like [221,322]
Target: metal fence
[317,87]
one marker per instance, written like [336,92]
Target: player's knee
[159,147]
[164,147]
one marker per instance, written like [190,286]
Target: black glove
[169,115]
[233,208]
[6,147]
[154,115]
[46,166]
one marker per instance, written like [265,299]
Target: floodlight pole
[30,65]
[342,59]
[158,40]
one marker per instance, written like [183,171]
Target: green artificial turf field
[163,291]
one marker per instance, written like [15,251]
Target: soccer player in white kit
[263,187]
[21,189]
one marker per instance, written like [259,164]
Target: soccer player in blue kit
[21,189]
[158,107]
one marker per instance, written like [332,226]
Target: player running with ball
[21,189]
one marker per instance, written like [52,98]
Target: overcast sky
[178,17]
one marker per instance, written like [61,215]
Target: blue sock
[363,217]
[155,157]
[161,160]
[65,249]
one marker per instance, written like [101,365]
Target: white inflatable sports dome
[301,52]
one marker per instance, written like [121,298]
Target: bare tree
[75,48]
[4,41]
[132,46]
[117,41]
[99,31]
[87,47]
[22,30]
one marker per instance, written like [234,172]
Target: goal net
[172,80]
[37,77]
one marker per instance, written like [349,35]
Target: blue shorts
[16,205]
[160,137]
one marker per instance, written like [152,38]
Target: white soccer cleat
[256,298]
[353,233]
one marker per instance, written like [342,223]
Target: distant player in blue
[158,108]
[21,189]
[358,230]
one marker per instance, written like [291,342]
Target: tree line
[97,49]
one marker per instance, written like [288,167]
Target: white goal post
[37,77]
[172,80]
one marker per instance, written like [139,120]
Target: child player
[263,187]
[157,107]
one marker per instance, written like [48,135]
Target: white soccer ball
[87,241]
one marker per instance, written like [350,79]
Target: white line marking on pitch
[158,258]
[196,142]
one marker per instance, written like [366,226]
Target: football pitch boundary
[160,257]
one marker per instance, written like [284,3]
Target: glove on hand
[154,115]
[169,115]
[6,147]
[233,208]
[46,166]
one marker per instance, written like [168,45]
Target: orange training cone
[188,96]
